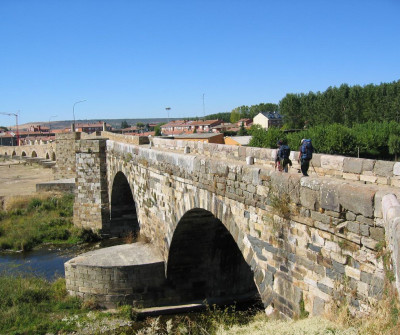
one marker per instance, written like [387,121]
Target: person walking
[283,156]
[305,155]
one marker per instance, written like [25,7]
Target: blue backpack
[306,149]
[284,151]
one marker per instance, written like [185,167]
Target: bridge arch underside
[123,220]
[205,263]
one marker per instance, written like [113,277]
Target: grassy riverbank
[30,305]
[29,221]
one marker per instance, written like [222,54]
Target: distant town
[211,131]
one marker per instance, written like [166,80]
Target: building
[202,137]
[268,119]
[237,140]
[179,127]
[92,127]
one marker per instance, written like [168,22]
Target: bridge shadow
[123,209]
[205,263]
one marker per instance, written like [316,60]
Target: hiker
[283,156]
[305,155]
[277,160]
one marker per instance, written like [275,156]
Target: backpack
[284,152]
[306,149]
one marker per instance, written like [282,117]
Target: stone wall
[41,150]
[65,153]
[320,244]
[348,168]
[129,139]
[391,215]
[91,207]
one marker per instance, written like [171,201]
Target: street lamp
[168,109]
[49,121]
[73,112]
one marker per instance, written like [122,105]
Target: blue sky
[131,59]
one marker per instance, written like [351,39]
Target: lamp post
[168,109]
[73,113]
[49,121]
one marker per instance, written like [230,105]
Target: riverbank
[31,305]
[31,221]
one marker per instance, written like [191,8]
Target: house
[268,119]
[202,137]
[246,123]
[92,127]
[185,126]
[237,140]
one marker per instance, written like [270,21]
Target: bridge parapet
[366,171]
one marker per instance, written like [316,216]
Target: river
[47,261]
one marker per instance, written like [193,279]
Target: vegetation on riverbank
[30,221]
[30,305]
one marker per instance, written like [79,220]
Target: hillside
[115,123]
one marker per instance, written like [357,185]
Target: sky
[132,59]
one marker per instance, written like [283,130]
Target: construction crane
[16,123]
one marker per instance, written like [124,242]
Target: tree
[394,145]
[157,129]
[242,131]
[124,124]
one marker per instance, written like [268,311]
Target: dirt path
[16,178]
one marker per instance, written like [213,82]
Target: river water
[47,262]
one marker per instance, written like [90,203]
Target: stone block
[352,272]
[352,165]
[368,165]
[377,233]
[383,168]
[329,196]
[368,179]
[332,162]
[318,306]
[351,176]
[396,169]
[357,199]
[309,198]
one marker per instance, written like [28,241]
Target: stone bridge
[214,227]
[222,230]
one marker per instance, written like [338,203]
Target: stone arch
[23,154]
[5,154]
[205,262]
[47,155]
[34,154]
[13,154]
[123,216]
[53,156]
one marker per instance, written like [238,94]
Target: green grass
[31,305]
[29,222]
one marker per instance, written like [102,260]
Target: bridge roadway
[226,230]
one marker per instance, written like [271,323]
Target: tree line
[378,140]
[346,105]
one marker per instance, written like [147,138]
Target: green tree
[394,145]
[157,129]
[242,131]
[124,124]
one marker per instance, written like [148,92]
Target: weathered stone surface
[396,169]
[329,196]
[357,199]
[352,165]
[309,198]
[383,168]
[332,162]
[368,165]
